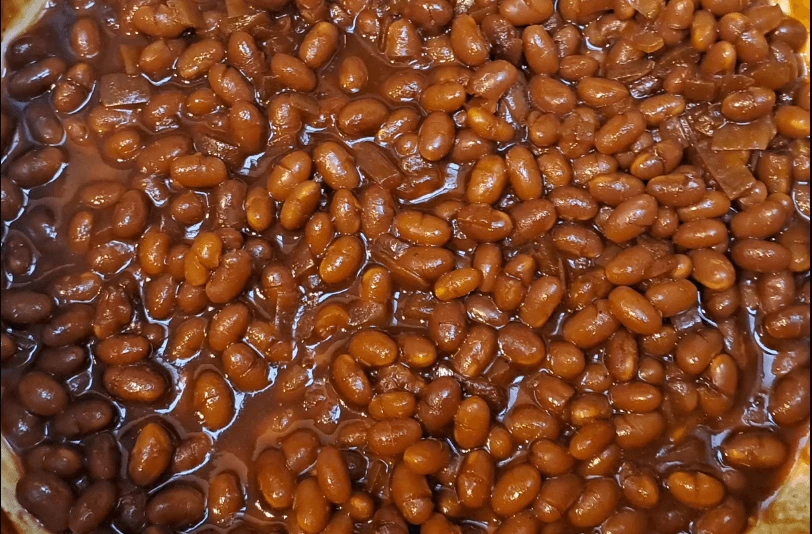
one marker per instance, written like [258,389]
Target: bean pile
[436,266]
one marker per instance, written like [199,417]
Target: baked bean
[275,482]
[436,136]
[176,506]
[592,325]
[92,507]
[754,451]
[789,401]
[469,45]
[552,96]
[393,437]
[439,403]
[37,167]
[422,228]
[336,166]
[760,256]
[25,307]
[540,50]
[595,504]
[402,42]
[311,507]
[634,311]
[696,489]
[135,383]
[620,132]
[342,259]
[638,430]
[515,490]
[636,397]
[70,326]
[299,205]
[47,497]
[557,495]
[672,298]
[150,455]
[531,219]
[41,394]
[225,497]
[476,349]
[630,218]
[358,118]
[352,74]
[412,495]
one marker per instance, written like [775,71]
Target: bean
[696,489]
[198,171]
[592,325]
[393,437]
[596,503]
[760,256]
[47,497]
[515,490]
[469,45]
[360,118]
[135,383]
[92,507]
[41,394]
[436,136]
[176,506]
[150,455]
[276,484]
[342,260]
[311,507]
[83,417]
[225,498]
[630,218]
[412,495]
[539,50]
[336,166]
[754,451]
[789,402]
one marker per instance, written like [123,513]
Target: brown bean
[592,325]
[360,118]
[596,503]
[412,495]
[293,73]
[276,483]
[789,402]
[92,507]
[123,349]
[47,497]
[760,256]
[754,450]
[696,489]
[634,311]
[393,437]
[515,490]
[336,165]
[319,44]
[631,218]
[150,455]
[135,383]
[436,136]
[539,49]
[311,508]
[342,259]
[213,400]
[177,506]
[469,45]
